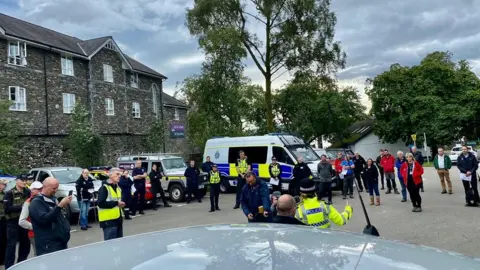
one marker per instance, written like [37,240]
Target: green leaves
[85,145]
[156,136]
[9,130]
[438,97]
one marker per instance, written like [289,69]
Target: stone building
[45,73]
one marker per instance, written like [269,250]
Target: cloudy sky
[374,33]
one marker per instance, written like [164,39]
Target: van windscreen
[174,164]
[305,152]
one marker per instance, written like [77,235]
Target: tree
[438,97]
[9,130]
[156,136]
[85,145]
[311,107]
[298,36]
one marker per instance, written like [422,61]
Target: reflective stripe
[275,170]
[304,214]
[214,177]
[320,224]
[113,213]
[242,165]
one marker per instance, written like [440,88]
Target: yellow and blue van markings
[261,170]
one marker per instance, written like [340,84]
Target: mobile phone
[70,193]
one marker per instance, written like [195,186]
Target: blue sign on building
[177,131]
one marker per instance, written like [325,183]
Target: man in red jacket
[388,164]
[339,168]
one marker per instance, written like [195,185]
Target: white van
[174,183]
[224,151]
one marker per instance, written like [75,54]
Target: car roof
[55,168]
[147,157]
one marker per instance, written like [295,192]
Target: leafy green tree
[9,130]
[438,97]
[85,145]
[156,136]
[310,107]
[298,36]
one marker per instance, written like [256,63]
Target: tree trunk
[268,103]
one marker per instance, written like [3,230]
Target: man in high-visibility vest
[317,213]
[215,179]
[243,166]
[110,206]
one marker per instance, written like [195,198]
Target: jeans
[348,185]
[15,234]
[373,187]
[84,207]
[382,176]
[325,190]
[110,233]
[404,188]
[390,177]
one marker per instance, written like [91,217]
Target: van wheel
[177,193]
[224,187]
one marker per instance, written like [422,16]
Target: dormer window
[111,46]
[134,80]
[17,53]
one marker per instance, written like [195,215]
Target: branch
[278,68]
[279,12]
[255,17]
[279,75]
[248,47]
[256,48]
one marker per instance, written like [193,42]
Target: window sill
[137,117]
[108,81]
[17,65]
[110,114]
[73,75]
[13,110]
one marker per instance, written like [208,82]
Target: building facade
[45,74]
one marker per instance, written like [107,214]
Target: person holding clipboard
[467,164]
[275,175]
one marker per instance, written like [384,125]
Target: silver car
[66,176]
[251,246]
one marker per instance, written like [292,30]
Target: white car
[457,150]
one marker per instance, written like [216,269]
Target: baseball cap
[36,185]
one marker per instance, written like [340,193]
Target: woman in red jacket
[412,176]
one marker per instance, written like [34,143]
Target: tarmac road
[445,222]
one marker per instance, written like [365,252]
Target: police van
[224,151]
[174,183]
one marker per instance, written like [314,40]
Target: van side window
[281,155]
[42,176]
[256,154]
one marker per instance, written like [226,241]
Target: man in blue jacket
[398,164]
[255,199]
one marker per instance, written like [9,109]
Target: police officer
[139,178]
[215,179]
[207,165]
[275,173]
[13,202]
[300,171]
[317,213]
[3,222]
[243,166]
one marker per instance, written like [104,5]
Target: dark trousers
[110,233]
[138,202]
[156,189]
[192,189]
[348,185]
[382,176]
[373,188]
[279,186]
[240,183]
[214,195]
[260,218]
[473,185]
[414,191]
[404,189]
[127,199]
[325,190]
[358,176]
[3,239]
[52,247]
[390,177]
[15,234]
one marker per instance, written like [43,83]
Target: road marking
[179,205]
[73,231]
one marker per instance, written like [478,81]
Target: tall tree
[438,97]
[8,135]
[297,35]
[311,107]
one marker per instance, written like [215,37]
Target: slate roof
[169,100]
[24,30]
[358,131]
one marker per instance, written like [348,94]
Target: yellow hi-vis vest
[242,165]
[113,213]
[214,177]
[318,214]
[275,170]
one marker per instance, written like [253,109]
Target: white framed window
[18,96]
[107,73]
[155,102]
[176,115]
[136,110]
[109,107]
[67,65]
[134,80]
[68,103]
[17,53]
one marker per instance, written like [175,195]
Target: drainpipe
[162,116]
[46,91]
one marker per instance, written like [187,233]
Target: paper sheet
[464,177]
[274,181]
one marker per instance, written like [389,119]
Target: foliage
[85,145]
[9,130]
[438,97]
[298,36]
[156,136]
[311,107]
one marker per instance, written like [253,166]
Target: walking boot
[371,200]
[378,201]
[450,192]
[217,208]
[396,191]
[389,191]
[444,191]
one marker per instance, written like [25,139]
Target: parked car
[66,176]
[10,180]
[457,151]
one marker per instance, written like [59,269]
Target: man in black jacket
[13,202]
[192,173]
[85,189]
[207,165]
[300,172]
[50,227]
[155,181]
[359,163]
[467,164]
[286,208]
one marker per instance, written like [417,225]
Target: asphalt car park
[445,222]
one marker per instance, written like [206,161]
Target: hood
[252,246]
